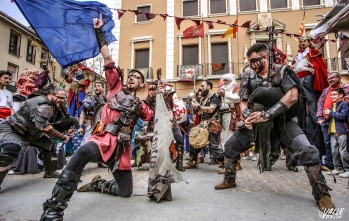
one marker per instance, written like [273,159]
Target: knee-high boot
[179,158]
[229,175]
[62,192]
[319,188]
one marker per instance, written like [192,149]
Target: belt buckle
[125,130]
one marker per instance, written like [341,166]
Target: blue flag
[66,27]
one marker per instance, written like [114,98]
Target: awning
[337,20]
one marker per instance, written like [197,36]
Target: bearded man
[274,99]
[110,142]
[229,109]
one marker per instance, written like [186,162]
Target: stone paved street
[276,195]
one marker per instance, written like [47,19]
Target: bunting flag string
[211,23]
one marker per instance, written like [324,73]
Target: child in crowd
[337,115]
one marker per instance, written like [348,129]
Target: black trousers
[289,135]
[89,152]
[213,147]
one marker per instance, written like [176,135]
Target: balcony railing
[219,68]
[185,72]
[188,72]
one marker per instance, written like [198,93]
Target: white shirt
[6,99]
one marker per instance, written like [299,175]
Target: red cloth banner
[194,31]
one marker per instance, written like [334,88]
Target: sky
[11,9]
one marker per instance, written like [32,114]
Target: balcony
[219,69]
[188,72]
[211,71]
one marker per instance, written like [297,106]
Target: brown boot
[226,184]
[86,187]
[320,189]
[229,175]
[238,166]
[179,159]
[201,160]
[191,163]
[222,171]
[325,202]
[212,162]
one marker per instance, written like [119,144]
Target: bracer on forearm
[53,133]
[100,38]
[278,109]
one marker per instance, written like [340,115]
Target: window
[190,8]
[30,52]
[144,9]
[218,6]
[311,2]
[15,43]
[14,70]
[44,54]
[278,4]
[247,5]
[142,58]
[190,55]
[219,53]
[44,57]
[219,58]
[345,57]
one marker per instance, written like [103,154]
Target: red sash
[5,112]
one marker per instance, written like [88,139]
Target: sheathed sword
[271,52]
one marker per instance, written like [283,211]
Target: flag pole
[203,42]
[237,45]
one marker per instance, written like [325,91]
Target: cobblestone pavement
[272,195]
[249,179]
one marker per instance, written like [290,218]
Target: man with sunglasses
[110,140]
[282,88]
[30,125]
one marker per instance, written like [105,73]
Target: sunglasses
[255,60]
[61,98]
[135,75]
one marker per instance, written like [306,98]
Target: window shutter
[219,53]
[247,5]
[278,4]
[190,55]
[190,8]
[218,6]
[142,58]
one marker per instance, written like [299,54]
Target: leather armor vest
[129,106]
[32,117]
[264,97]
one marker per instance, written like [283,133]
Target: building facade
[21,49]
[150,44]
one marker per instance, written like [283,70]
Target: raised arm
[98,24]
